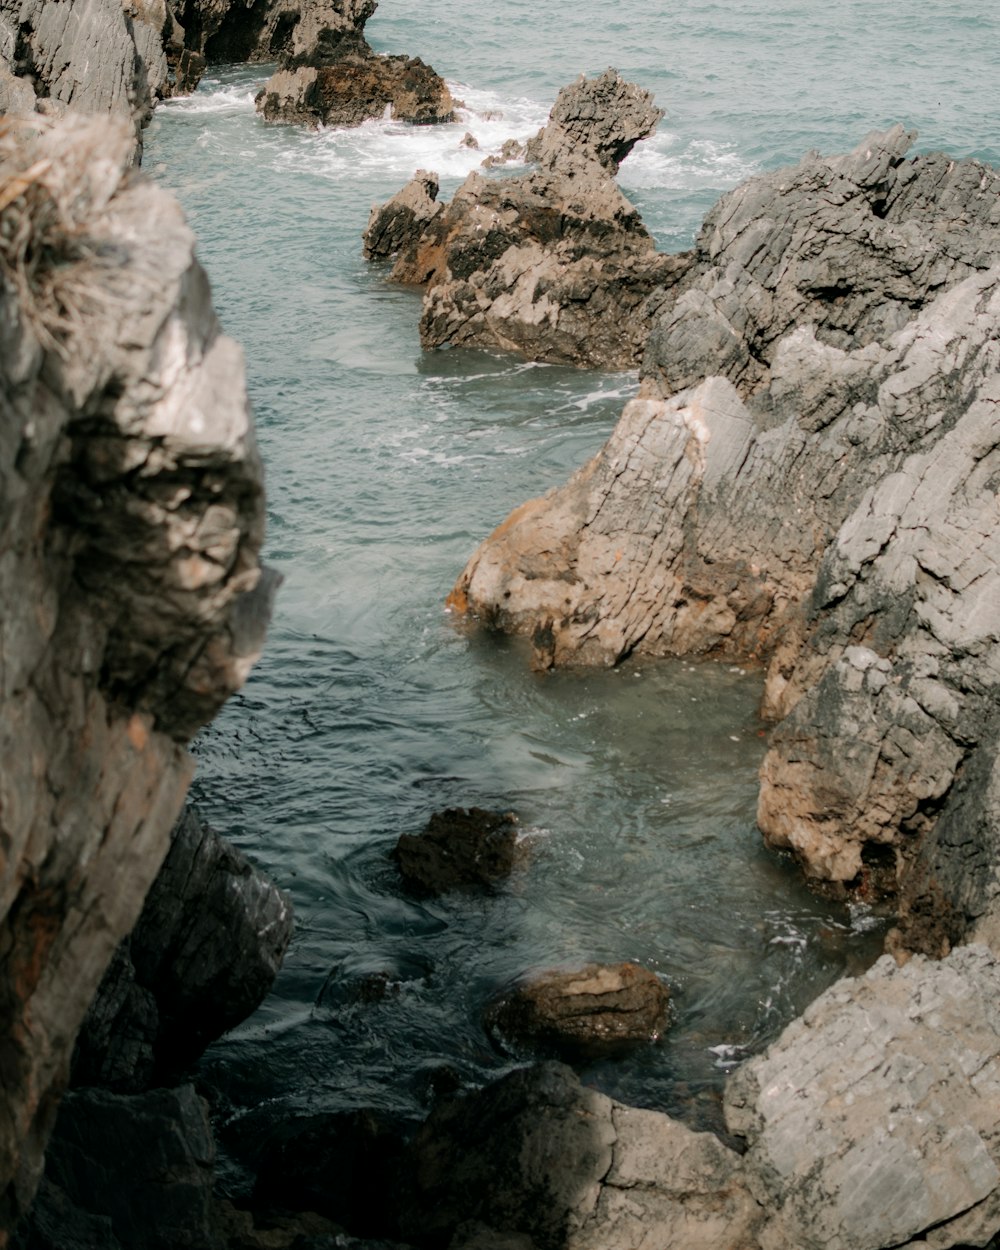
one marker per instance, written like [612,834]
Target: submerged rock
[337,80]
[806,481]
[131,518]
[461,849]
[553,263]
[599,1009]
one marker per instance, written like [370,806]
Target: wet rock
[461,849]
[798,486]
[205,952]
[599,1009]
[554,263]
[341,1165]
[872,1120]
[337,80]
[537,1156]
[131,518]
[161,1199]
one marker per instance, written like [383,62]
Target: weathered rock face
[335,79]
[461,849]
[599,1009]
[92,55]
[554,263]
[131,516]
[873,1119]
[203,955]
[807,479]
[537,1154]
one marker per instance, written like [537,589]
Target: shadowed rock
[461,849]
[554,263]
[599,1009]
[203,955]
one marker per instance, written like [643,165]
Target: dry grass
[57,178]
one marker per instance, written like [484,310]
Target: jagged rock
[598,1009]
[461,849]
[203,955]
[94,54]
[554,263]
[131,518]
[132,1171]
[398,224]
[539,1155]
[806,480]
[872,1120]
[337,80]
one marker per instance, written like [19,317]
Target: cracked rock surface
[808,480]
[553,263]
[131,517]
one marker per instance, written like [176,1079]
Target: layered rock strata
[807,479]
[131,516]
[553,263]
[334,78]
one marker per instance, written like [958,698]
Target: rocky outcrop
[332,77]
[806,480]
[204,954]
[94,56]
[461,849]
[553,263]
[596,1010]
[131,516]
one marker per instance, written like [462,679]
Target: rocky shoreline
[807,481]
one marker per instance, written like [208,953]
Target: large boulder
[805,481]
[553,263]
[461,849]
[131,518]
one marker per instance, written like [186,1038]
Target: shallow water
[636,787]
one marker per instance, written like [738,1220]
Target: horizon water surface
[385,467]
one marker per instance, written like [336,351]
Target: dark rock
[203,955]
[397,225]
[460,849]
[599,1009]
[342,1165]
[131,518]
[337,80]
[141,1166]
[554,263]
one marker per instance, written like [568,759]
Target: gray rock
[806,481]
[131,518]
[873,1118]
[554,263]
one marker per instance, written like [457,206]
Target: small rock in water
[461,849]
[469,140]
[596,1010]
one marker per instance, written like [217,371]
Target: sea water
[386,466]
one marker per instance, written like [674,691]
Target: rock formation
[596,1010]
[330,76]
[131,516]
[807,479]
[553,263]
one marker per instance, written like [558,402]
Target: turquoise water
[386,466]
